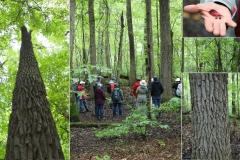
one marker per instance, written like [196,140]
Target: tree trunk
[210,122]
[120,48]
[197,66]
[32,133]
[72,23]
[219,59]
[92,39]
[85,57]
[131,44]
[149,37]
[166,50]
[107,45]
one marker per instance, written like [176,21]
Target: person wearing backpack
[110,87]
[82,98]
[99,78]
[117,99]
[135,86]
[142,92]
[156,92]
[175,86]
[75,88]
[100,99]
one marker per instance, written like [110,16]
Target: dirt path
[161,144]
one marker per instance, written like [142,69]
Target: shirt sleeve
[231,4]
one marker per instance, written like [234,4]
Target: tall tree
[119,64]
[218,57]
[92,37]
[32,133]
[149,37]
[107,44]
[132,76]
[166,49]
[210,129]
[72,23]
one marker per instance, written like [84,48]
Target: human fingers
[222,29]
[231,23]
[216,28]
[191,8]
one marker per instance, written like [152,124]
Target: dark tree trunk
[219,59]
[149,38]
[119,66]
[92,39]
[166,50]
[72,23]
[131,44]
[210,121]
[107,45]
[32,133]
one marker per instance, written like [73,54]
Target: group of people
[139,90]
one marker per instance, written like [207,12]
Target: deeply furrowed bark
[210,122]
[32,133]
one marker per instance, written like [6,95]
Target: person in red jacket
[135,86]
[82,97]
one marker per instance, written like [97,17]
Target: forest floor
[186,140]
[162,144]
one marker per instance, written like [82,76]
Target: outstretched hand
[215,16]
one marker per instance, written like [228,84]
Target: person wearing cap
[100,99]
[135,86]
[141,92]
[156,93]
[82,98]
[175,86]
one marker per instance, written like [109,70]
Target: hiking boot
[88,110]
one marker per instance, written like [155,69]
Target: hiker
[141,92]
[100,99]
[110,87]
[135,86]
[117,99]
[156,91]
[82,98]
[75,88]
[175,86]
[99,78]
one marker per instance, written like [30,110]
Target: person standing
[117,99]
[100,99]
[110,88]
[99,79]
[135,86]
[175,86]
[156,92]
[82,97]
[75,88]
[142,92]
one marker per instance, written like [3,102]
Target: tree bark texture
[92,39]
[166,50]
[131,44]
[107,45]
[149,37]
[210,121]
[72,23]
[32,133]
[119,65]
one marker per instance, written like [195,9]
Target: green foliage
[136,122]
[49,22]
[106,157]
[161,143]
[174,104]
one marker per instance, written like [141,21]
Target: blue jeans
[83,102]
[157,101]
[115,108]
[99,111]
